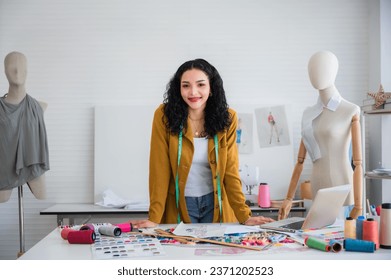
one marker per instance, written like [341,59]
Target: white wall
[373,124]
[377,127]
[87,53]
[385,18]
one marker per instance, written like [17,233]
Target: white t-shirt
[199,182]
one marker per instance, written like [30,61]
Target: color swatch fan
[126,246]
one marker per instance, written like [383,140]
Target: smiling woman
[195,91]
[194,163]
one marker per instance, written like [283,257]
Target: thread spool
[95,227]
[264,195]
[87,227]
[370,231]
[317,244]
[306,190]
[125,227]
[81,236]
[350,228]
[385,226]
[359,222]
[335,246]
[356,245]
[65,232]
[378,210]
[110,230]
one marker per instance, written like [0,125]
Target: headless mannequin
[333,131]
[15,65]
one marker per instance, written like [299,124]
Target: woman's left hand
[258,220]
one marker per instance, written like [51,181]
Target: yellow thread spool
[350,228]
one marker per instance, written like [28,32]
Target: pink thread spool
[87,227]
[264,195]
[125,227]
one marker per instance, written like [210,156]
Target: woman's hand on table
[142,223]
[258,220]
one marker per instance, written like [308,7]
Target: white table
[53,247]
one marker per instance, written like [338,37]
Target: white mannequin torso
[328,128]
[15,65]
[332,129]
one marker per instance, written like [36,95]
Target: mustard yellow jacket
[163,164]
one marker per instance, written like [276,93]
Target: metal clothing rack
[21,221]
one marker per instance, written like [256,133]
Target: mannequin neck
[326,94]
[15,94]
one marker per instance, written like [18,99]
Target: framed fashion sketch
[244,133]
[272,126]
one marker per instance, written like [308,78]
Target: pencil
[369,206]
[296,241]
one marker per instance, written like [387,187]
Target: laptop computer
[323,212]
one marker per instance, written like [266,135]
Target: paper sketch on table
[112,200]
[244,133]
[272,126]
[199,230]
[232,229]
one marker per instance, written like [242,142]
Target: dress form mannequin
[333,124]
[15,65]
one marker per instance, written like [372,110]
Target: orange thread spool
[350,228]
[370,231]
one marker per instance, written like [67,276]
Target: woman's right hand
[142,223]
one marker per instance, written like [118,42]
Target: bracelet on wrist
[245,221]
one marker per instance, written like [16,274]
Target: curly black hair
[217,116]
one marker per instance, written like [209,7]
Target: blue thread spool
[359,224]
[356,245]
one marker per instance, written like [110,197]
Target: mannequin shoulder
[352,108]
[44,105]
[308,111]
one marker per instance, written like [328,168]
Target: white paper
[112,200]
[231,229]
[200,230]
